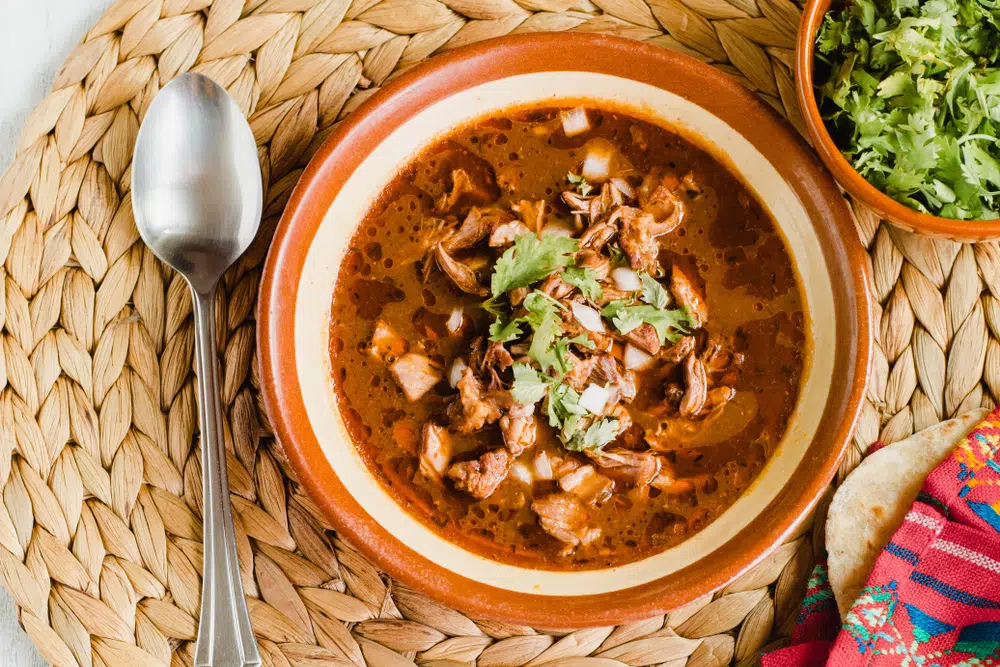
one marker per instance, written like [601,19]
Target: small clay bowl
[849,179]
[710,109]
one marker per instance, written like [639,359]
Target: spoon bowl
[197,196]
[197,191]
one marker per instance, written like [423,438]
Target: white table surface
[35,38]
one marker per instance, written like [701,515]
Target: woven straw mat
[100,526]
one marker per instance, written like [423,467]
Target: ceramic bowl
[860,189]
[704,105]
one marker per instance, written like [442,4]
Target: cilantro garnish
[529,260]
[585,280]
[669,324]
[653,292]
[582,186]
[504,330]
[598,434]
[909,90]
[529,385]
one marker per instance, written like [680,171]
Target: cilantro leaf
[563,402]
[653,292]
[598,434]
[530,259]
[669,324]
[504,330]
[582,186]
[584,279]
[529,385]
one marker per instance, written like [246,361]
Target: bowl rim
[847,175]
[498,58]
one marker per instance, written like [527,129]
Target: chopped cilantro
[669,324]
[618,257]
[653,292]
[529,385]
[563,402]
[584,279]
[530,259]
[909,90]
[582,186]
[504,330]
[598,434]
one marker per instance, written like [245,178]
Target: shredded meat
[415,374]
[460,274]
[679,350]
[460,184]
[638,240]
[600,265]
[505,234]
[587,484]
[687,295]
[481,477]
[580,372]
[697,387]
[607,369]
[532,213]
[435,451]
[597,236]
[565,517]
[636,468]
[473,229]
[645,338]
[473,408]
[555,287]
[518,428]
[657,196]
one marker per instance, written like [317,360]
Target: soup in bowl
[564,329]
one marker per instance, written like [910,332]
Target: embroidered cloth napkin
[933,596]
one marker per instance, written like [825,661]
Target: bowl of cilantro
[900,100]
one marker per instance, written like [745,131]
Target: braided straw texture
[100,525]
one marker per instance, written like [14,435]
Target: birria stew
[566,337]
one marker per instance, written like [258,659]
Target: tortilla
[871,503]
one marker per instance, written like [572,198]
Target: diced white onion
[520,472]
[588,318]
[623,187]
[575,121]
[594,398]
[636,359]
[597,163]
[558,229]
[457,368]
[455,320]
[626,279]
[543,467]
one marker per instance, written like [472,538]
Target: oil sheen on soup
[566,338]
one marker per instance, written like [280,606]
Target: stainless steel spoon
[196,193]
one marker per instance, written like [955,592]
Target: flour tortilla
[871,503]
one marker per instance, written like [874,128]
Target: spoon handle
[225,638]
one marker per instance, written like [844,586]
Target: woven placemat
[100,526]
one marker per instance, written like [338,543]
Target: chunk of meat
[532,213]
[657,197]
[638,137]
[717,398]
[597,236]
[518,428]
[679,350]
[607,368]
[566,518]
[624,465]
[587,484]
[435,451]
[387,344]
[473,229]
[481,477]
[605,203]
[645,338]
[554,286]
[473,408]
[597,263]
[505,234]
[638,240]
[462,186]
[460,274]
[696,382]
[688,295]
[416,374]
[579,374]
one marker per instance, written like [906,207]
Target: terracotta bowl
[363,154]
[887,207]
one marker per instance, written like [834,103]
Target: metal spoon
[197,194]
